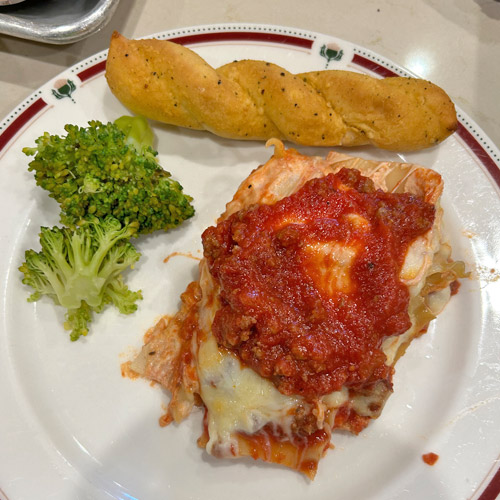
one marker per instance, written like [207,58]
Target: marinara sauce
[309,286]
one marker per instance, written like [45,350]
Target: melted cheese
[329,264]
[418,263]
[237,399]
[335,399]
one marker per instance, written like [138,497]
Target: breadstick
[257,100]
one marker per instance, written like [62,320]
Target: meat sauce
[309,286]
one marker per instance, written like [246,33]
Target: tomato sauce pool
[310,287]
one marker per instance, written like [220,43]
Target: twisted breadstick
[258,100]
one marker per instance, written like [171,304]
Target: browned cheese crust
[257,100]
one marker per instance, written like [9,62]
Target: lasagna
[313,282]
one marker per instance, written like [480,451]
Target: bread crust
[258,100]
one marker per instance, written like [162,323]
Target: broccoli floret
[80,269]
[109,169]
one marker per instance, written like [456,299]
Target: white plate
[72,427]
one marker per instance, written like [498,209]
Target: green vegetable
[110,187]
[81,270]
[109,169]
[137,131]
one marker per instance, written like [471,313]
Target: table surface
[453,43]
